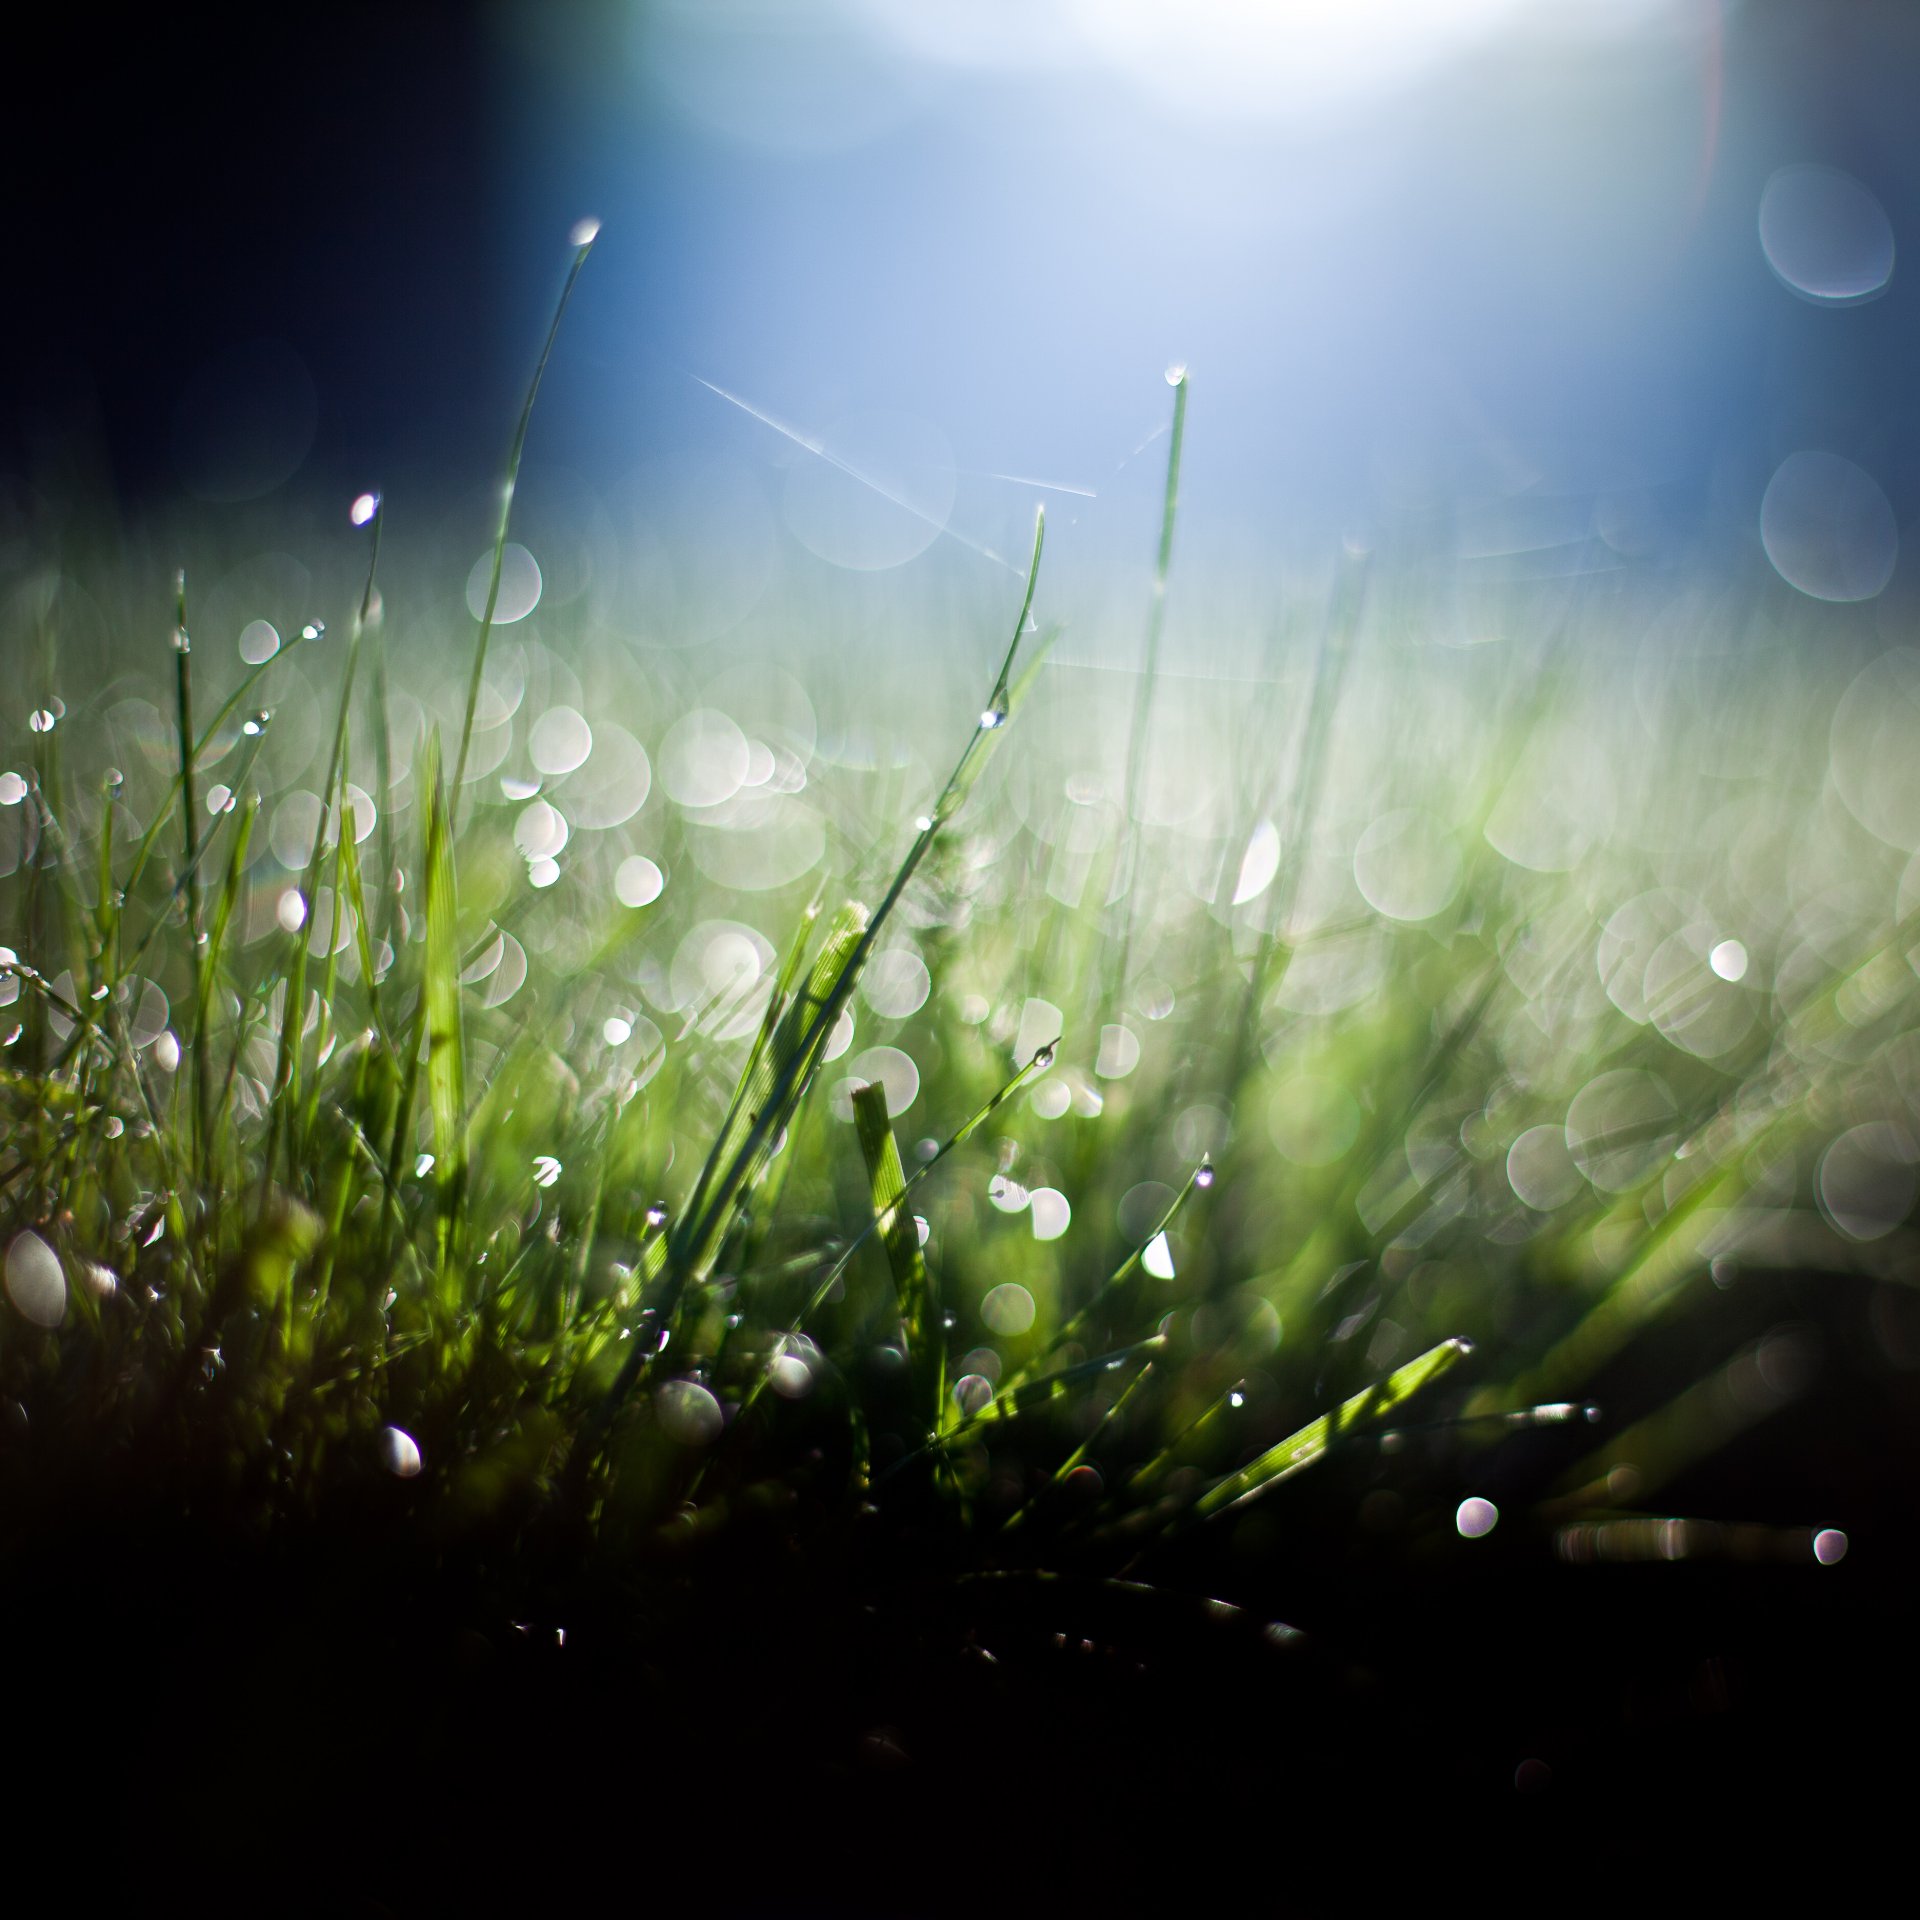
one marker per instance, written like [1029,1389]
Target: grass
[1225,1118]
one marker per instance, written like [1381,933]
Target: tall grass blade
[509,482]
[440,1004]
[887,1186]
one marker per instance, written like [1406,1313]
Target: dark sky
[180,187]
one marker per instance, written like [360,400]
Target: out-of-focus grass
[630,1100]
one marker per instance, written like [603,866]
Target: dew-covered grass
[717,1149]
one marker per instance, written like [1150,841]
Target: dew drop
[41,720]
[1044,1056]
[1177,373]
[657,1214]
[583,233]
[399,1452]
[365,506]
[992,717]
[1203,1175]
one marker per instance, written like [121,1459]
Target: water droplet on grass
[1157,1257]
[365,506]
[583,233]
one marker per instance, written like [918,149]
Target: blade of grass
[1300,1450]
[440,1007]
[919,1311]
[582,247]
[190,878]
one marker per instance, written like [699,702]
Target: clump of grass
[592,1315]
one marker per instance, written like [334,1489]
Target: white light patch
[36,1281]
[1158,1257]
[1729,960]
[1008,1309]
[1050,1213]
[1476,1518]
[519,585]
[1259,864]
[637,881]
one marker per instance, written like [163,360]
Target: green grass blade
[887,1187]
[508,483]
[1300,1450]
[1198,1181]
[440,1002]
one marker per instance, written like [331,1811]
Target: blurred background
[1546,289]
